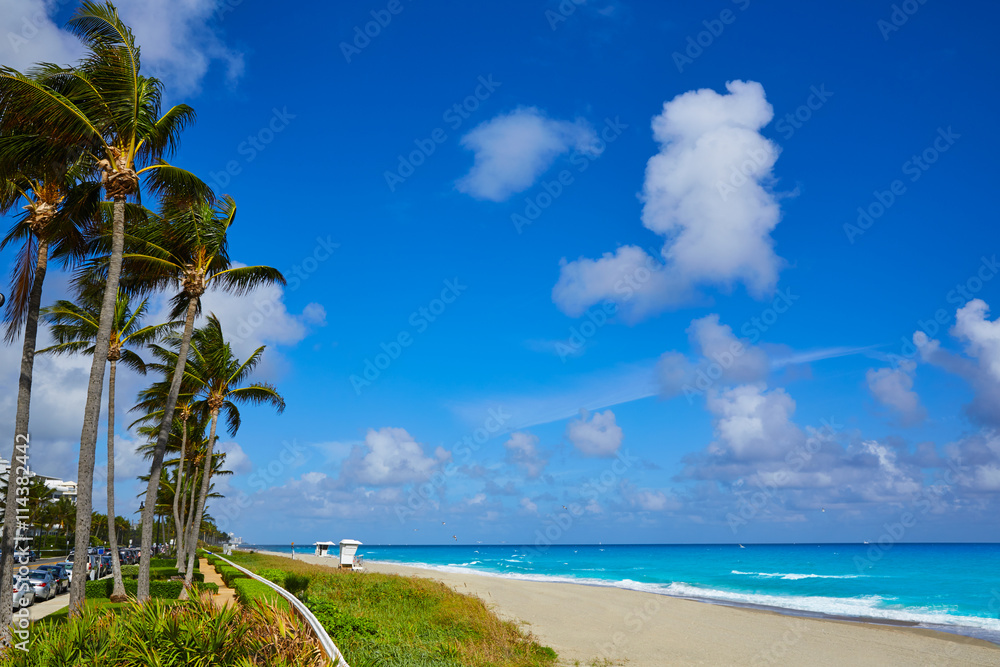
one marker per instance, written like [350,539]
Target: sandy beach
[585,624]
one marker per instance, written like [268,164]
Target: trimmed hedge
[132,572]
[230,574]
[165,590]
[248,590]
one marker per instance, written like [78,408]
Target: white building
[61,488]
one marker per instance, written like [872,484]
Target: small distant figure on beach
[293,550]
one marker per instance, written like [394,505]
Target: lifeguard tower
[348,559]
[323,548]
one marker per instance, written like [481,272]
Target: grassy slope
[393,621]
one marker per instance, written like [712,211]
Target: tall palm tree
[219,377]
[55,202]
[186,247]
[106,106]
[74,328]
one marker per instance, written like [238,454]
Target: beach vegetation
[193,633]
[379,620]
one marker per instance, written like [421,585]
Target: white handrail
[329,647]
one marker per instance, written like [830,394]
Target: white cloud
[236,458]
[596,435]
[722,359]
[893,387]
[655,501]
[529,506]
[514,149]
[522,451]
[177,41]
[981,368]
[708,193]
[982,336]
[390,456]
[753,423]
[28,36]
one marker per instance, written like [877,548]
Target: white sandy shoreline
[587,622]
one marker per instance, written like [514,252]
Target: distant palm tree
[106,106]
[219,375]
[74,328]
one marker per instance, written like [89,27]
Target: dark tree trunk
[161,447]
[118,593]
[21,429]
[92,412]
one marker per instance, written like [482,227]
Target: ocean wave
[793,577]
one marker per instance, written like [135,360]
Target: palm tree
[186,246]
[55,202]
[218,375]
[74,328]
[111,110]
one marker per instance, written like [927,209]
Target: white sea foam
[794,577]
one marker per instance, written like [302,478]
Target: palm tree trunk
[202,497]
[191,502]
[178,486]
[21,429]
[161,446]
[92,412]
[118,593]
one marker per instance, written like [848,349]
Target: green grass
[391,621]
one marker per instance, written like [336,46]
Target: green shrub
[296,584]
[98,589]
[230,574]
[248,590]
[340,623]
[130,571]
[273,574]
[214,588]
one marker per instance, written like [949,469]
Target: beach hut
[323,548]
[348,548]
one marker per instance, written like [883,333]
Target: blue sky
[671,261]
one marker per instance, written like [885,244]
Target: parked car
[68,566]
[24,596]
[43,583]
[32,556]
[58,573]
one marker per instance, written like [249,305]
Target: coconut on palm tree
[108,108]
[74,327]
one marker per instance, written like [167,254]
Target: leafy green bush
[273,574]
[98,589]
[166,590]
[130,571]
[230,574]
[340,623]
[249,590]
[296,584]
[213,588]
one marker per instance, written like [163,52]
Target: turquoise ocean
[952,587]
